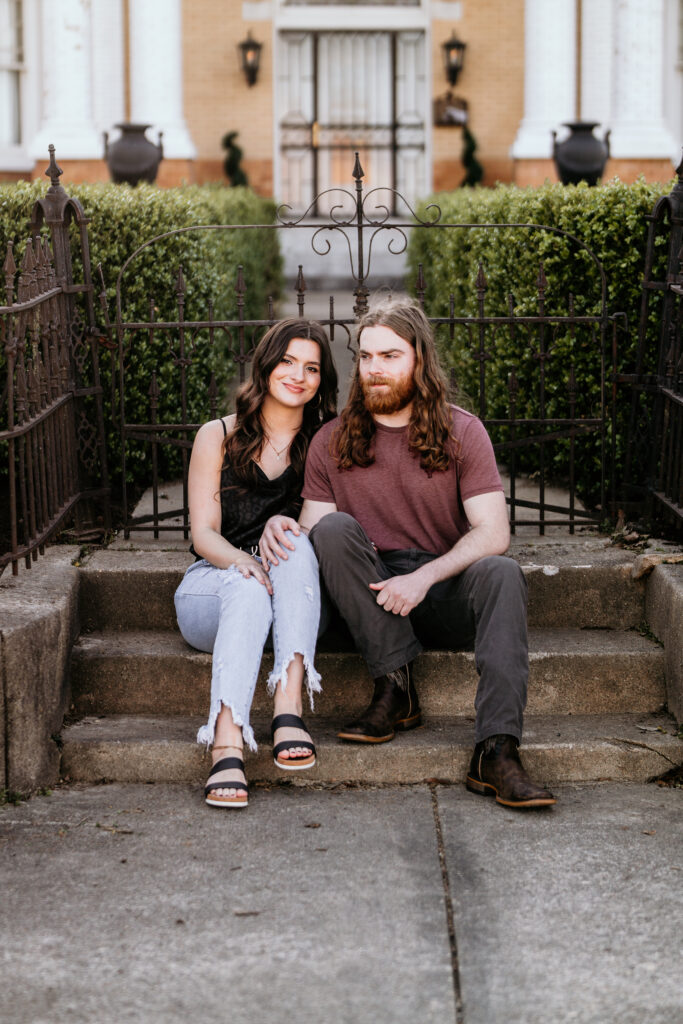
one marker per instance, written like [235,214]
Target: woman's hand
[248,566]
[274,539]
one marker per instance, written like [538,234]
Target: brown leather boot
[496,770]
[392,708]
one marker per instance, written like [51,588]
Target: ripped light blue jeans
[220,611]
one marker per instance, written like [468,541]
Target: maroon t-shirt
[399,504]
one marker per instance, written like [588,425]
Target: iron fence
[564,413]
[654,471]
[51,410]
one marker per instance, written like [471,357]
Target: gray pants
[484,607]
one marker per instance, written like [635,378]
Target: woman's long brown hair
[243,446]
[429,431]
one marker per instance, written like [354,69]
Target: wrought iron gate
[51,415]
[359,221]
[655,464]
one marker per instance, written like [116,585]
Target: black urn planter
[581,157]
[133,158]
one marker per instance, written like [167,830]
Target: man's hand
[400,594]
[274,542]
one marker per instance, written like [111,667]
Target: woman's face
[296,378]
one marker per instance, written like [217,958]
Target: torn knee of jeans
[207,732]
[280,675]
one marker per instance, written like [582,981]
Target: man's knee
[500,574]
[333,531]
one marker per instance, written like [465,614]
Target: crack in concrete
[450,918]
[645,746]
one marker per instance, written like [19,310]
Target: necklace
[278,454]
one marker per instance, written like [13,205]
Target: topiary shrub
[121,219]
[610,220]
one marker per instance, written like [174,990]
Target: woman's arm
[204,483]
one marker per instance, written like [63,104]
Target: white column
[638,126]
[549,75]
[156,73]
[66,95]
[108,64]
[597,61]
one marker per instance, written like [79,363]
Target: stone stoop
[597,689]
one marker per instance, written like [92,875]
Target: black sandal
[292,764]
[224,801]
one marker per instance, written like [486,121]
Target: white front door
[340,92]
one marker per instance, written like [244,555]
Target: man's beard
[398,394]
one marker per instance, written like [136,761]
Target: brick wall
[217,98]
[492,82]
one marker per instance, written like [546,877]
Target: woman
[244,469]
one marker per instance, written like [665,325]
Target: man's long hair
[243,446]
[429,430]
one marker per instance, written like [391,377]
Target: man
[407,515]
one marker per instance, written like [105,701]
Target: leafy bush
[121,219]
[610,220]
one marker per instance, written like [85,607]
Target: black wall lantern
[453,57]
[251,57]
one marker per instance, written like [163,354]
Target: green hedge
[610,220]
[123,218]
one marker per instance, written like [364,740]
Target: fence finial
[358,171]
[54,171]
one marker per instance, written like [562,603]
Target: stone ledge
[664,613]
[38,627]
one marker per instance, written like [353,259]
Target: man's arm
[274,537]
[489,535]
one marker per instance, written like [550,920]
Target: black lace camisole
[244,513]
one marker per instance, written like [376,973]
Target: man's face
[385,364]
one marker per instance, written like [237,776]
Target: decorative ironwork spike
[541,280]
[28,263]
[154,389]
[481,282]
[300,280]
[10,268]
[358,171]
[420,283]
[54,171]
[240,286]
[180,282]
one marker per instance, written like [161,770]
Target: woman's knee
[301,560]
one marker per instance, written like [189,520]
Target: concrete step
[571,672]
[627,748]
[584,585]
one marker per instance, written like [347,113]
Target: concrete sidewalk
[138,903]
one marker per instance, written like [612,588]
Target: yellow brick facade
[216,100]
